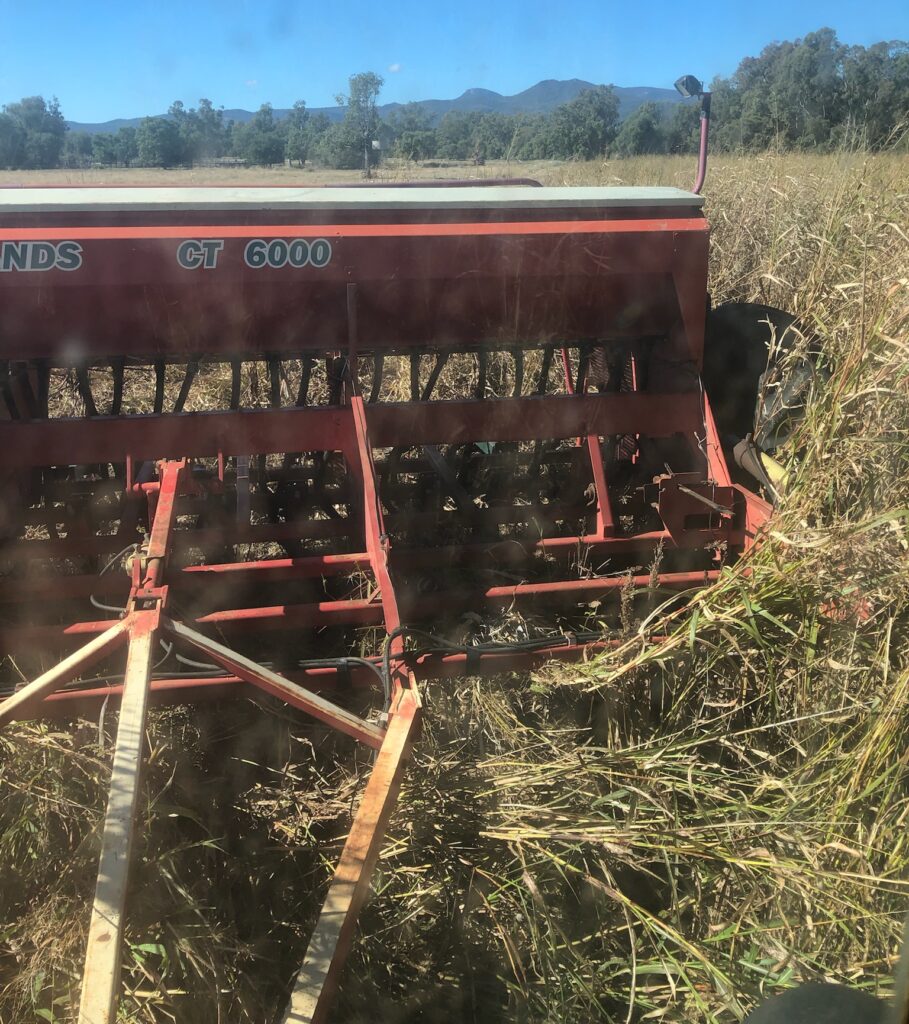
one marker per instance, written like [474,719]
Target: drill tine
[461,459]
[441,360]
[329,379]
[481,373]
[414,376]
[116,402]
[344,373]
[42,368]
[159,385]
[518,354]
[85,390]
[274,377]
[378,366]
[235,370]
[545,367]
[306,362]
[7,391]
[448,477]
[583,359]
[334,368]
[24,385]
[534,468]
[192,368]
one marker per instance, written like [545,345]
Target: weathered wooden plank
[295,695]
[21,702]
[101,979]
[317,980]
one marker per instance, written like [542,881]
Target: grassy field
[664,833]
[639,171]
[391,170]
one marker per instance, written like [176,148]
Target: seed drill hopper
[299,441]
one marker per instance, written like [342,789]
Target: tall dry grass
[664,833]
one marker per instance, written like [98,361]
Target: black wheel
[754,383]
[820,1004]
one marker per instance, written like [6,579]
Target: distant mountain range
[538,99]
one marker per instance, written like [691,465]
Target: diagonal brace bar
[22,703]
[292,693]
[317,980]
[101,978]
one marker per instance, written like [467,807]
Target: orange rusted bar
[317,980]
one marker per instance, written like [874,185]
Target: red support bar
[605,521]
[266,533]
[377,543]
[87,702]
[317,982]
[716,462]
[164,515]
[325,613]
[512,551]
[276,685]
[420,230]
[578,590]
[25,444]
[533,418]
[517,551]
[370,613]
[275,570]
[175,435]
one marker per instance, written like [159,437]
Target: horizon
[240,56]
[382,103]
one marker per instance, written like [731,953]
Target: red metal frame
[424,279]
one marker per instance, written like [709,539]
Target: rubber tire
[818,1003]
[736,346]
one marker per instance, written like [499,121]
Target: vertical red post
[605,523]
[101,977]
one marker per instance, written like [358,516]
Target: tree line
[812,93]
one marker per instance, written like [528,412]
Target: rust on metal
[330,942]
[501,487]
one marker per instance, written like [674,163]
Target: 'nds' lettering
[38,256]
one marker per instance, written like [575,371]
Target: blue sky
[134,57]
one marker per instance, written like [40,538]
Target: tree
[876,90]
[491,136]
[262,139]
[104,148]
[641,132]
[361,116]
[126,147]
[12,141]
[583,128]
[529,140]
[339,147]
[453,136]
[158,142]
[682,128]
[77,149]
[211,131]
[813,93]
[202,131]
[412,131]
[299,140]
[35,138]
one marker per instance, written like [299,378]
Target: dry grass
[664,833]
[390,170]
